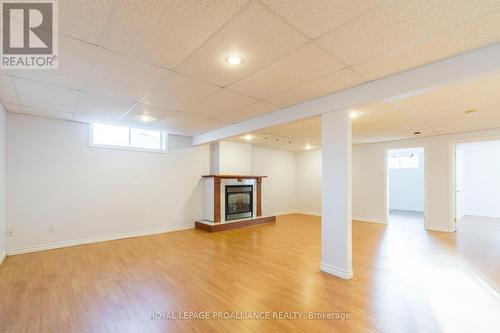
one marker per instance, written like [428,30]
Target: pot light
[355,114]
[308,147]
[470,111]
[248,137]
[145,118]
[234,59]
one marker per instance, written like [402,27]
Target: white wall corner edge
[341,273]
[97,239]
[2,257]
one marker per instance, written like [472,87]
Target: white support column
[336,223]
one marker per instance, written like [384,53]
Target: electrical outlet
[51,229]
[10,233]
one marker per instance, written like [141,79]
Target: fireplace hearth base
[233,224]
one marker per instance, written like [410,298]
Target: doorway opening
[406,187]
[477,183]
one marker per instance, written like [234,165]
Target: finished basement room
[250,166]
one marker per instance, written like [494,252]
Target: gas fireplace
[239,202]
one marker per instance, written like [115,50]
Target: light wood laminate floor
[406,279]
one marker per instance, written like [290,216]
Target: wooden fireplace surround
[217,178]
[217,225]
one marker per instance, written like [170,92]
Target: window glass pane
[409,162]
[393,162]
[110,135]
[145,139]
[403,162]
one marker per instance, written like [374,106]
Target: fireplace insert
[239,202]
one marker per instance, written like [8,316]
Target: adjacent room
[477,182]
[250,166]
[406,186]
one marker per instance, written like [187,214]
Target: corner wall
[278,190]
[63,192]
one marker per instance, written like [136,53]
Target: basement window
[403,162]
[119,137]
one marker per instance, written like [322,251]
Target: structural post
[336,222]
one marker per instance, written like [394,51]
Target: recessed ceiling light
[248,137]
[308,147]
[145,118]
[470,111]
[355,114]
[234,59]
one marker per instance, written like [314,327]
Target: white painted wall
[3,181]
[234,158]
[480,178]
[278,190]
[406,185]
[56,179]
[308,178]
[369,178]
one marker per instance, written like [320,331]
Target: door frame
[453,174]
[425,146]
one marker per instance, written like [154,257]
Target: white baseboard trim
[369,219]
[341,273]
[286,212]
[307,213]
[356,218]
[97,239]
[440,229]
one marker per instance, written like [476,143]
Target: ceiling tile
[399,23]
[302,66]
[92,105]
[46,97]
[189,124]
[473,34]
[218,105]
[75,59]
[177,92]
[46,113]
[7,90]
[342,79]
[247,112]
[258,43]
[156,116]
[166,32]
[315,18]
[84,20]
[117,76]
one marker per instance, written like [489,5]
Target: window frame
[163,137]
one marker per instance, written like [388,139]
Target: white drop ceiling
[463,106]
[121,59]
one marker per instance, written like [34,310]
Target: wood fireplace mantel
[234,177]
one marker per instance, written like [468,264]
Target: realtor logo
[29,34]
